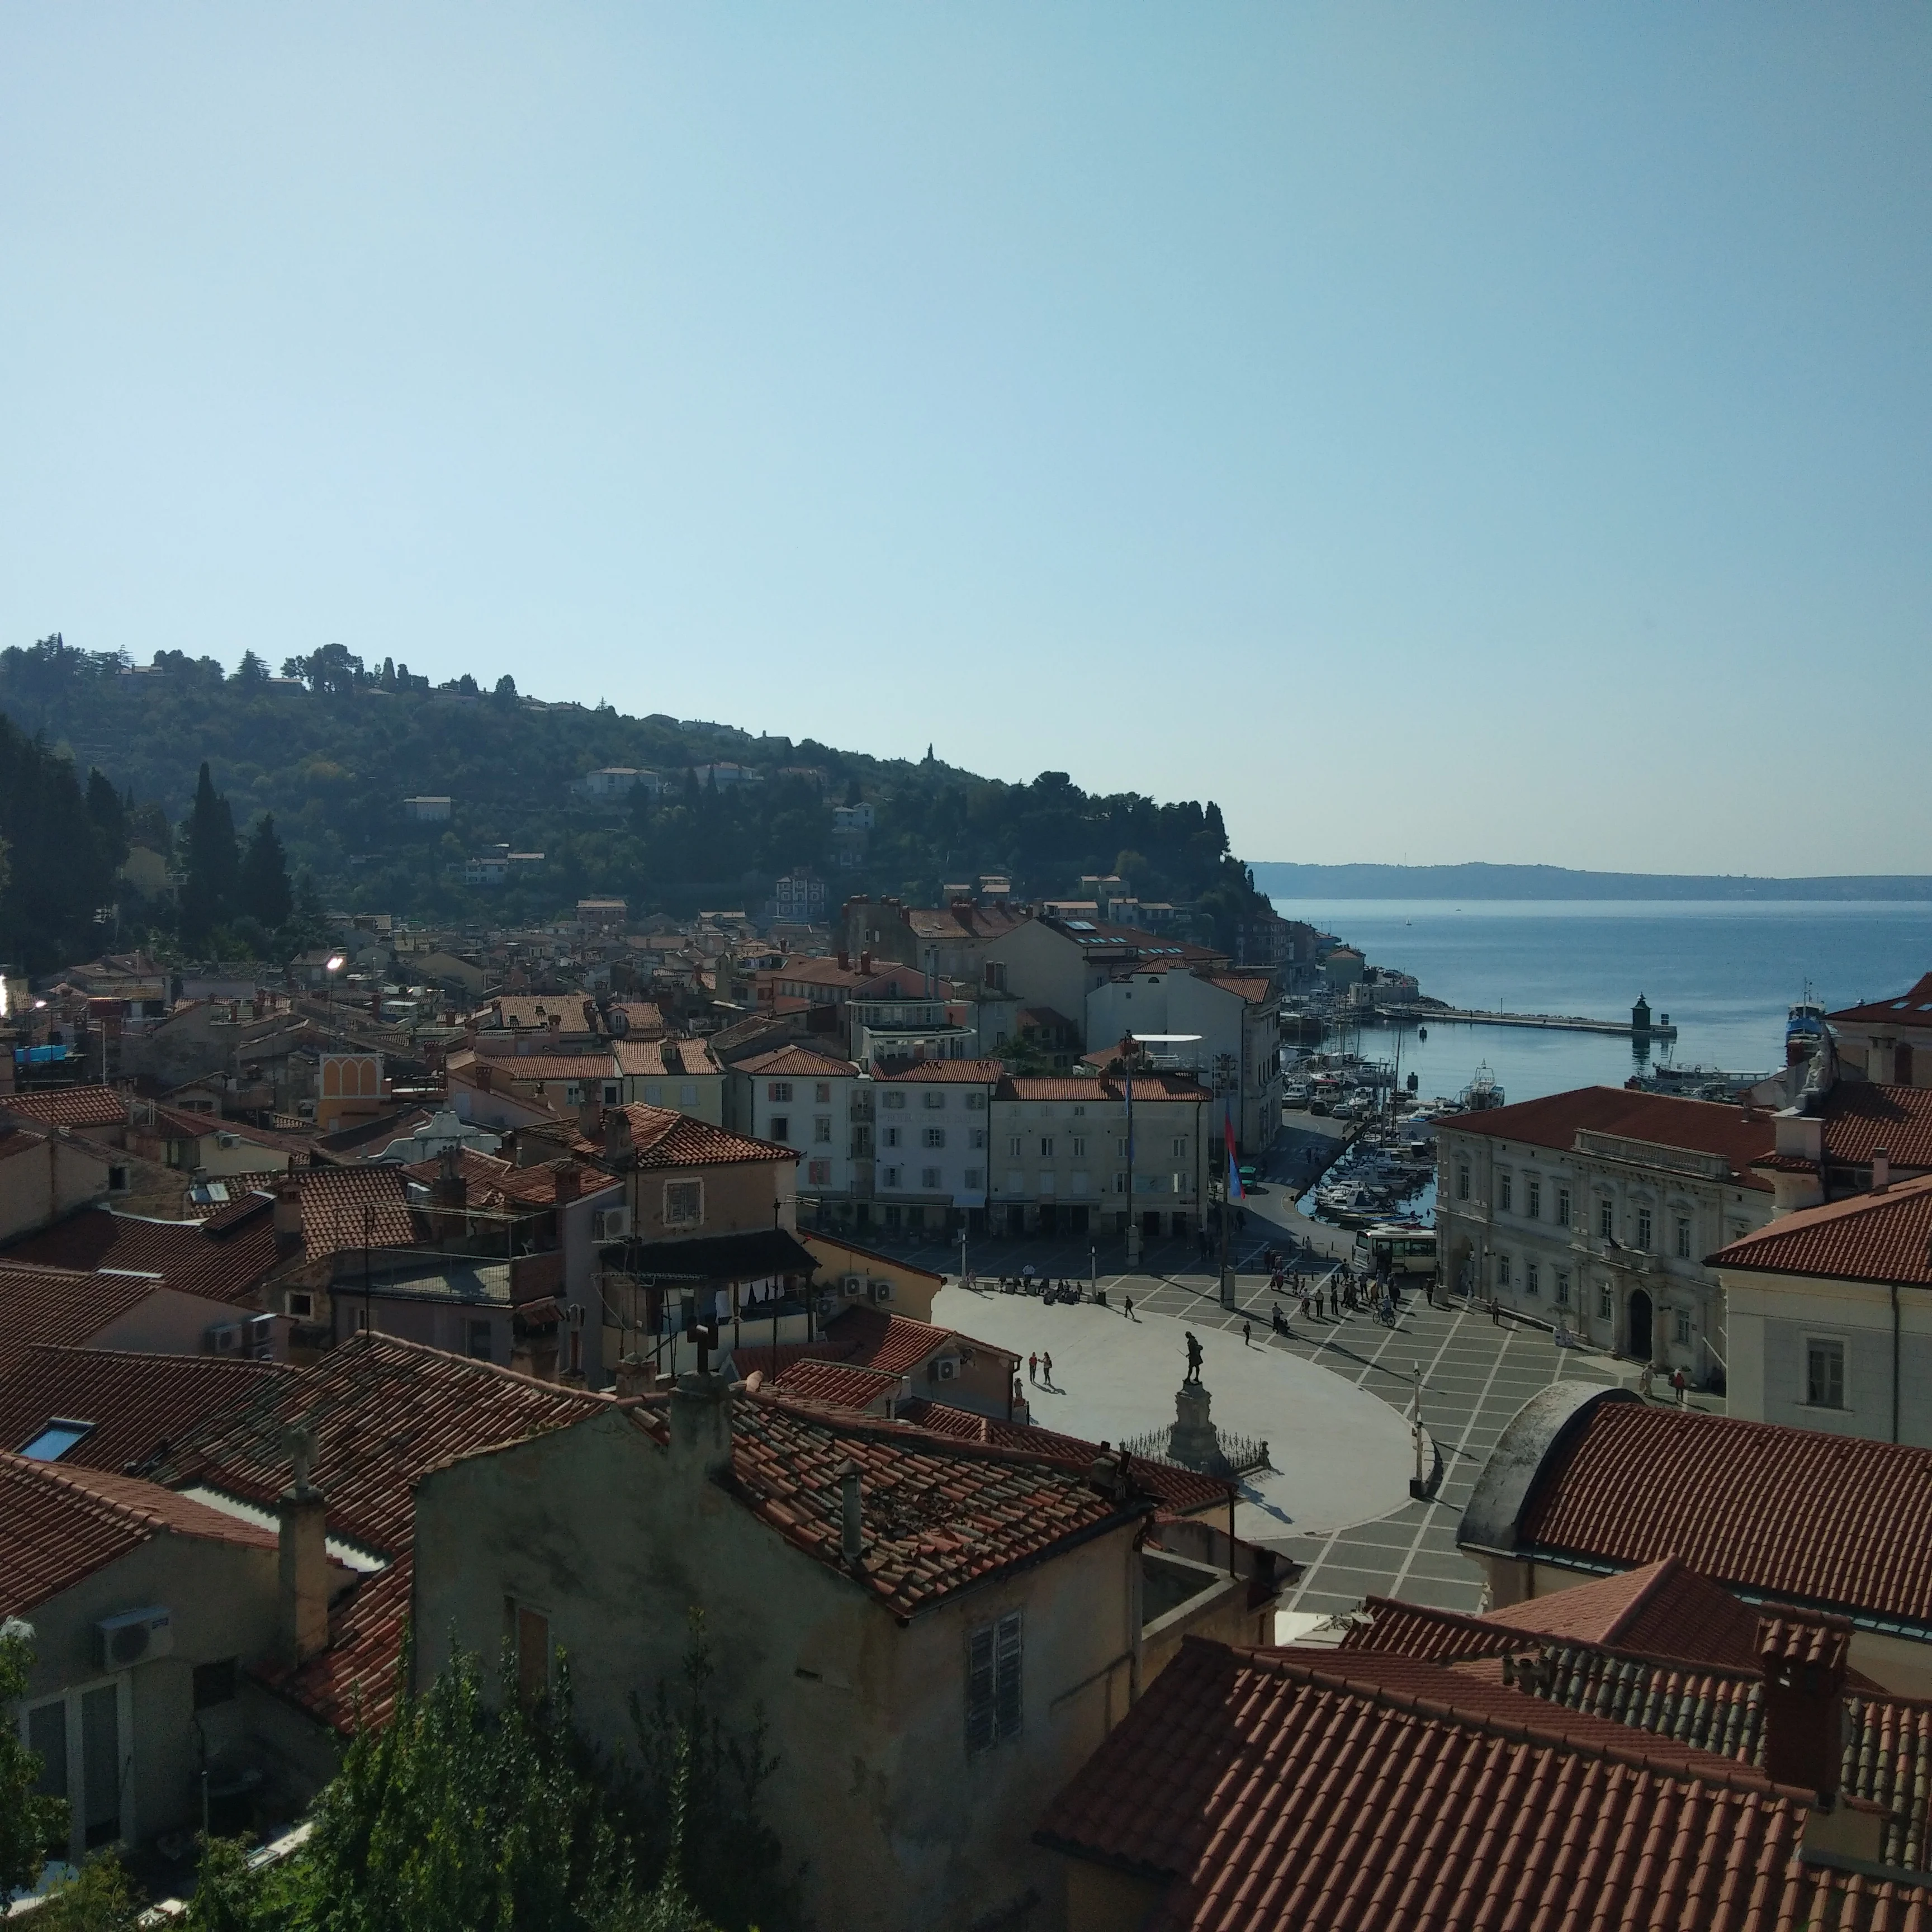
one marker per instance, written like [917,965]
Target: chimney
[1803,1661]
[700,1424]
[1881,1169]
[288,1215]
[485,1076]
[555,1023]
[865,964]
[448,1197]
[569,1180]
[635,1376]
[617,1137]
[844,961]
[304,1606]
[852,1515]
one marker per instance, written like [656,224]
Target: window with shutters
[779,1090]
[934,1137]
[993,1703]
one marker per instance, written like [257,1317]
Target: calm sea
[1725,973]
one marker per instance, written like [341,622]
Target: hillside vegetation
[332,748]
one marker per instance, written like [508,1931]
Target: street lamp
[332,965]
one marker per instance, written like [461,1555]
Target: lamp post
[332,965]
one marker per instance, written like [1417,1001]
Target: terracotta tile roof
[1150,1087]
[896,1343]
[842,1385]
[222,1264]
[69,1107]
[666,1059]
[44,1304]
[383,1411]
[939,1516]
[640,1017]
[798,1063]
[1911,1008]
[1275,1788]
[965,921]
[333,1203]
[532,1012]
[975,1072]
[138,1402]
[1182,1490]
[1861,1117]
[817,969]
[821,1239]
[1255,987]
[18,1140]
[1663,1610]
[59,1525]
[500,1183]
[1418,1631]
[1882,1237]
[1888,1749]
[530,1068]
[1664,1119]
[1832,1523]
[661,1137]
[1701,1126]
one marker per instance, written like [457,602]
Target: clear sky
[1477,431]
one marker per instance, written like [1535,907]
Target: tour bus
[1405,1248]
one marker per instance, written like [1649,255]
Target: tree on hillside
[60,877]
[209,863]
[251,670]
[104,807]
[261,887]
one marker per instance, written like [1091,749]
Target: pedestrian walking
[1644,1381]
[1495,1311]
[1033,1368]
[1247,1336]
[1681,1382]
[1130,1307]
[1046,1368]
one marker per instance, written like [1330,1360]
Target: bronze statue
[1193,1376]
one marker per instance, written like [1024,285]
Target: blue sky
[1491,432]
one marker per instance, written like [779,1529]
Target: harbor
[1639,1026]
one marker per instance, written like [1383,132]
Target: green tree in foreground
[29,1823]
[262,891]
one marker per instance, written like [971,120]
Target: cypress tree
[262,890]
[208,890]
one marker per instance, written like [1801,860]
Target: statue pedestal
[1193,1442]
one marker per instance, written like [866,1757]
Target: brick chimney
[303,1609]
[288,1215]
[617,1137]
[1803,1660]
[1881,1169]
[569,1180]
[485,1075]
[634,1376]
[700,1424]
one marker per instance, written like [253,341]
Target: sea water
[1726,972]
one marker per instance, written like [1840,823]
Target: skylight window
[57,1438]
[1081,925]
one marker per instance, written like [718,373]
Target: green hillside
[331,755]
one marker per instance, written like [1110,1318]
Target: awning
[746,1257]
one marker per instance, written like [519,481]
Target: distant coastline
[1282,881]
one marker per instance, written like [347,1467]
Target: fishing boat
[1483,1091]
[1804,1027]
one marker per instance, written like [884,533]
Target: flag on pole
[1235,1191]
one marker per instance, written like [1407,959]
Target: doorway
[1640,1324]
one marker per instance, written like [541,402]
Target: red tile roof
[1830,1522]
[1663,1609]
[222,1264]
[535,1068]
[798,1063]
[138,1403]
[1150,1087]
[661,1137]
[1290,1789]
[976,1073]
[1880,1237]
[532,1012]
[383,1411]
[1861,1117]
[43,1304]
[1181,1490]
[1255,987]
[666,1059]
[499,1183]
[58,1526]
[1913,1007]
[939,1516]
[1702,1126]
[842,1385]
[69,1107]
[895,1342]
[1418,1631]
[343,1208]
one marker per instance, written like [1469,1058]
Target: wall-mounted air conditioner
[880,1291]
[611,1224]
[135,1636]
[854,1284]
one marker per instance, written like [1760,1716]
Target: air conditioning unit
[880,1291]
[228,1140]
[947,1367]
[611,1224]
[230,1339]
[854,1284]
[135,1636]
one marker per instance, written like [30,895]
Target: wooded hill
[333,748]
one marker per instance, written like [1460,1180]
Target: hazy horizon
[1421,431]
